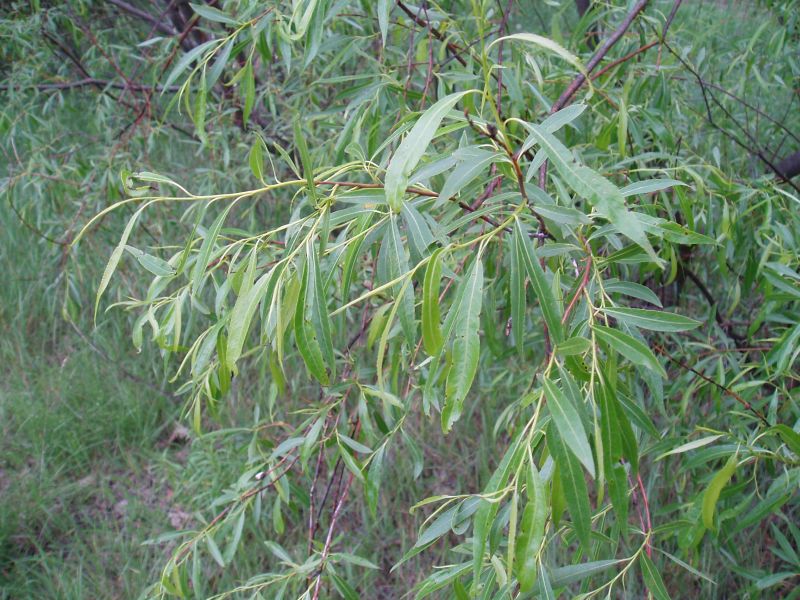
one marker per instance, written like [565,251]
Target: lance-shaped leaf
[304,331]
[244,310]
[573,484]
[384,8]
[654,320]
[534,517]
[393,263]
[473,162]
[569,425]
[712,493]
[411,150]
[419,234]
[431,324]
[652,578]
[631,348]
[517,293]
[611,440]
[466,347]
[550,308]
[319,315]
[487,511]
[201,262]
[116,255]
[587,183]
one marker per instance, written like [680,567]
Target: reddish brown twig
[566,96]
[719,386]
[625,58]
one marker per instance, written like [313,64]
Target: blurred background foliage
[97,455]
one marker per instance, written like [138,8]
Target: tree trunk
[790,166]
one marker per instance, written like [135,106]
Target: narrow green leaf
[233,544]
[571,431]
[384,8]
[413,147]
[790,437]
[201,261]
[587,183]
[517,291]
[200,101]
[573,484]
[351,463]
[485,515]
[654,320]
[213,14]
[699,443]
[214,551]
[186,60]
[419,234]
[466,347]
[115,257]
[630,348]
[157,266]
[546,44]
[532,524]
[319,310]
[373,481]
[634,290]
[610,437]
[714,488]
[305,335]
[574,573]
[547,300]
[249,92]
[649,186]
[220,62]
[393,263]
[573,346]
[243,312]
[305,159]
[431,324]
[473,162]
[652,578]
[439,527]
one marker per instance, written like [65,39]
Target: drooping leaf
[413,147]
[652,578]
[431,325]
[573,484]
[654,320]
[571,431]
[466,347]
[244,310]
[587,183]
[711,495]
[534,517]
[547,300]
[630,348]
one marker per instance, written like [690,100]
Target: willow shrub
[450,237]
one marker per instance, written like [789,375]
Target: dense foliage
[482,299]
